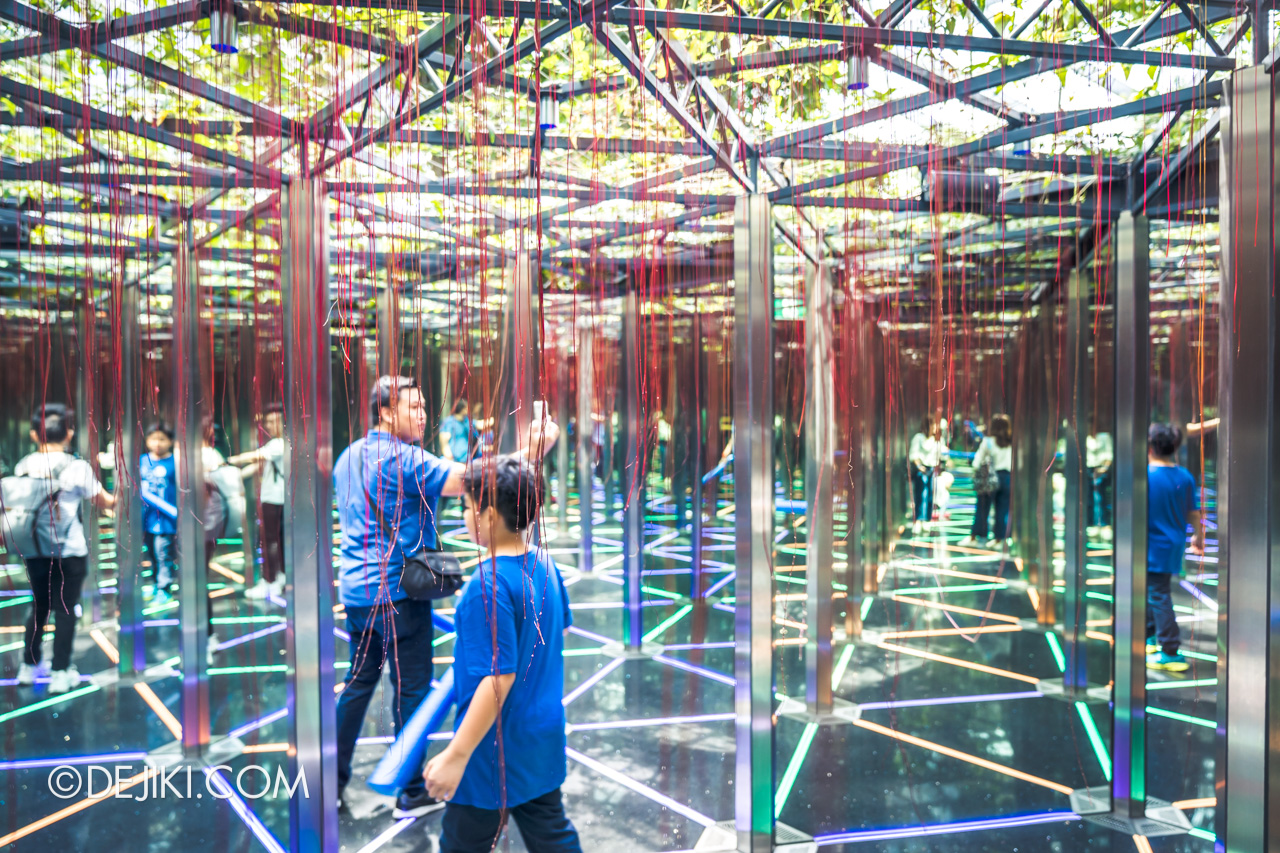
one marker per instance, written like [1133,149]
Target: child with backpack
[507,755]
[158,488]
[53,543]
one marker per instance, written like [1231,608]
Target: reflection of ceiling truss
[577,215]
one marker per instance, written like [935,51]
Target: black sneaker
[416,805]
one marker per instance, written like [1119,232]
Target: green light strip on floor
[244,620]
[1056,648]
[866,606]
[667,623]
[1174,715]
[1199,656]
[27,709]
[16,600]
[972,587]
[160,608]
[1173,685]
[442,639]
[12,647]
[661,593]
[239,670]
[1099,748]
[793,767]
[837,674]
[1197,832]
[806,737]
[788,579]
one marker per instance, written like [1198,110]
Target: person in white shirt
[995,455]
[923,458]
[56,579]
[268,463]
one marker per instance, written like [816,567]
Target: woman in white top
[995,453]
[923,457]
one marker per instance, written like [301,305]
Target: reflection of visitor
[663,430]
[923,457]
[268,463]
[1098,456]
[992,481]
[57,577]
[1173,502]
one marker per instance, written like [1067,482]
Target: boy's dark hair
[460,407]
[273,409]
[159,426]
[386,391]
[510,485]
[53,422]
[1164,439]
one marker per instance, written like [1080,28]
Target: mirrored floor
[957,743]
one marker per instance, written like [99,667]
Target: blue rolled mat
[404,757]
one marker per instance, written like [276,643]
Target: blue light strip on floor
[944,828]
[117,757]
[250,819]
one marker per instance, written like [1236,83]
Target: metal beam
[868,37]
[114,28]
[102,120]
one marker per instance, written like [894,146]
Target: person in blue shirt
[459,438]
[159,493]
[1173,502]
[388,468]
[507,754]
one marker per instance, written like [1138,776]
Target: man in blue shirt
[405,482]
[1173,502]
[507,754]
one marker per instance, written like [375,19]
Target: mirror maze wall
[807,613]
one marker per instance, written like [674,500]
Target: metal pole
[699,428]
[1128,786]
[189,398]
[246,429]
[562,448]
[634,422]
[517,388]
[819,476]
[87,447]
[1248,506]
[388,305]
[1075,678]
[753,498]
[1259,11]
[308,541]
[130,636]
[586,443]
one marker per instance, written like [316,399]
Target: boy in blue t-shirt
[1173,502]
[159,492]
[507,755]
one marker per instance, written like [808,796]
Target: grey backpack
[30,521]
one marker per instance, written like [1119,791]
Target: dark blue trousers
[1161,621]
[399,636]
[543,824]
